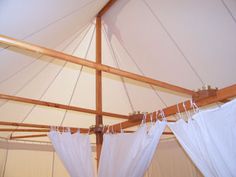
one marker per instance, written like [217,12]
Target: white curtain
[74,151]
[209,138]
[129,154]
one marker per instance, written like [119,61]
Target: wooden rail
[60,106]
[69,58]
[36,127]
[222,94]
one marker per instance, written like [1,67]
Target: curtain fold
[209,138]
[129,154]
[74,150]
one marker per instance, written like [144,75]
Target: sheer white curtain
[209,138]
[74,151]
[129,154]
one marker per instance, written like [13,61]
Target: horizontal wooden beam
[36,127]
[59,106]
[106,8]
[43,135]
[222,94]
[29,125]
[28,136]
[23,130]
[82,130]
[69,58]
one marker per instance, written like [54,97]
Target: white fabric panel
[75,152]
[209,139]
[129,155]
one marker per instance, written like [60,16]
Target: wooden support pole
[221,94]
[99,121]
[60,106]
[106,8]
[69,58]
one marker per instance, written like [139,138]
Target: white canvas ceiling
[186,43]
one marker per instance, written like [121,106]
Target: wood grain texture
[69,58]
[60,106]
[222,94]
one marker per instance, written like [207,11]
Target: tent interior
[186,43]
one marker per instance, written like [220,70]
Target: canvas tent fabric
[187,43]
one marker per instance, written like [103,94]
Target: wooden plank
[106,8]
[222,94]
[99,121]
[69,58]
[43,135]
[59,106]
[82,130]
[28,136]
[37,127]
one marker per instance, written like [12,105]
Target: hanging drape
[209,138]
[74,151]
[129,154]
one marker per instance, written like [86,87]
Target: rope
[25,84]
[5,163]
[174,42]
[79,74]
[228,10]
[117,65]
[29,64]
[140,70]
[53,22]
[53,80]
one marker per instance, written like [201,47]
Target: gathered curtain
[209,138]
[129,154]
[75,152]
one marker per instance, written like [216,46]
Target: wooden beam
[106,8]
[23,130]
[69,58]
[28,136]
[222,94]
[36,127]
[82,130]
[60,106]
[99,121]
[43,135]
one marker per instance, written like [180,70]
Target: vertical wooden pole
[99,136]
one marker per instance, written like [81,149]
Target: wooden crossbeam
[60,106]
[69,58]
[43,135]
[222,94]
[23,130]
[28,136]
[82,130]
[36,127]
